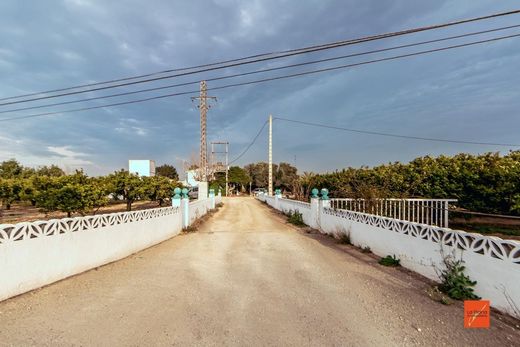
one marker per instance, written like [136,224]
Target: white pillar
[212,198]
[185,209]
[315,205]
[176,199]
[322,204]
[446,216]
[277,197]
[203,191]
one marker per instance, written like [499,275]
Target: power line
[268,79]
[239,61]
[366,132]
[396,135]
[264,70]
[251,144]
[97,107]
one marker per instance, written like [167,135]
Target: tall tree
[259,174]
[10,169]
[10,191]
[284,176]
[238,177]
[128,186]
[51,171]
[158,188]
[167,170]
[74,193]
[218,182]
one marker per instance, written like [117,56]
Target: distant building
[142,167]
[191,179]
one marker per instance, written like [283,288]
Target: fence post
[315,205]
[212,198]
[277,196]
[185,207]
[446,216]
[323,202]
[176,199]
[325,197]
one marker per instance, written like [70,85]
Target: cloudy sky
[468,94]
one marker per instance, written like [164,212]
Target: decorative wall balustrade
[30,230]
[34,254]
[425,211]
[507,250]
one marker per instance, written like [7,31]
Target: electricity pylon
[203,106]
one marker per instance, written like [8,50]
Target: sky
[468,94]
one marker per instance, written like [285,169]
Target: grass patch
[295,218]
[390,260]
[487,229]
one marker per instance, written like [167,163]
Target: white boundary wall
[35,254]
[286,205]
[199,208]
[493,262]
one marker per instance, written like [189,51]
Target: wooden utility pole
[203,107]
[270,188]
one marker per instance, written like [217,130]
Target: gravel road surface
[245,278]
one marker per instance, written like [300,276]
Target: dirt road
[245,278]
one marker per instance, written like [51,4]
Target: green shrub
[295,218]
[484,183]
[390,260]
[455,283]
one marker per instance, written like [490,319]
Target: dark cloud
[468,94]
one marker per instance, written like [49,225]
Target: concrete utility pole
[203,107]
[270,188]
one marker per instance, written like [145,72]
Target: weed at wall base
[390,260]
[455,283]
[190,229]
[343,238]
[295,218]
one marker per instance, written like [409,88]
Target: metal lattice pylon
[203,107]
